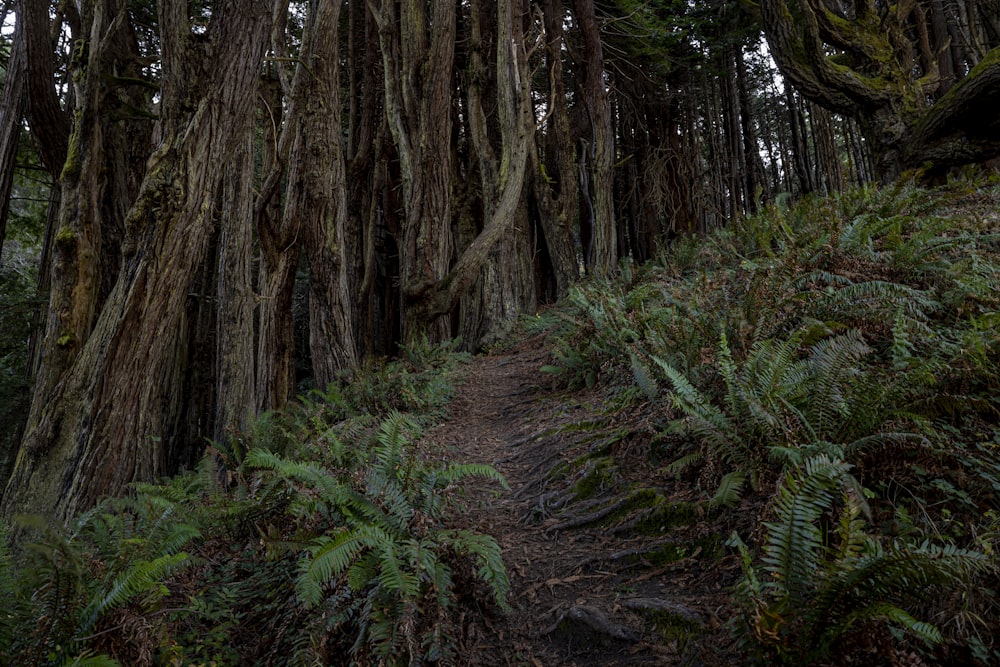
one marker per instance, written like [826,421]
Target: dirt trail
[579,596]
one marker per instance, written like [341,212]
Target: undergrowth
[318,538]
[861,332]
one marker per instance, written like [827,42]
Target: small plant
[819,580]
[73,587]
[384,556]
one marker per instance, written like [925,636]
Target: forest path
[579,596]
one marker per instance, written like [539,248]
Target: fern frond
[140,578]
[489,558]
[304,472]
[458,471]
[677,466]
[834,370]
[793,551]
[393,575]
[642,378]
[704,419]
[330,557]
[730,489]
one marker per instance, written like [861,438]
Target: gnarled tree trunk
[106,422]
[418,52]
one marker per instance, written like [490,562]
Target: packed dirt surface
[587,587]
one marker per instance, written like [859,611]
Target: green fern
[730,489]
[142,579]
[815,590]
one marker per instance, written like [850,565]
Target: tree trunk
[11,114]
[555,180]
[418,63]
[505,287]
[105,423]
[330,244]
[873,67]
[235,397]
[48,122]
[365,173]
[99,180]
[600,148]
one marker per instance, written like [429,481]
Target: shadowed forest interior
[250,245]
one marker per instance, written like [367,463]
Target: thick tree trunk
[105,423]
[502,251]
[418,63]
[600,147]
[99,181]
[235,396]
[331,244]
[875,67]
[555,181]
[503,179]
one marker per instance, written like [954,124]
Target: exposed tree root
[592,619]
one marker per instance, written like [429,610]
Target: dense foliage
[846,351]
[316,537]
[827,372]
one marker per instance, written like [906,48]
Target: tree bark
[49,123]
[105,423]
[418,65]
[12,102]
[555,181]
[866,66]
[235,396]
[501,252]
[600,148]
[99,180]
[331,244]
[503,180]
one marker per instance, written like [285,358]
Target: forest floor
[588,586]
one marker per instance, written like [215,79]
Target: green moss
[666,517]
[598,478]
[71,168]
[559,471]
[659,515]
[667,554]
[65,236]
[708,548]
[66,339]
[671,626]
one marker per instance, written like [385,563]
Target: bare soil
[590,586]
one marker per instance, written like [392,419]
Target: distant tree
[921,77]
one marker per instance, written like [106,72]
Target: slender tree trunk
[106,422]
[755,179]
[365,179]
[279,226]
[12,102]
[49,123]
[800,152]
